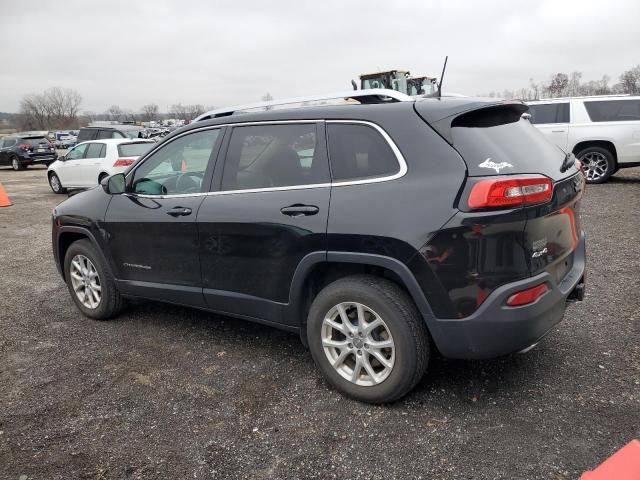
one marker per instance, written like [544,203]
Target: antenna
[444,67]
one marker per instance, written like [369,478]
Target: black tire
[399,313]
[16,164]
[111,302]
[588,155]
[60,189]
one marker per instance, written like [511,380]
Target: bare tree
[149,112]
[114,112]
[630,81]
[573,86]
[557,84]
[267,98]
[56,107]
[186,112]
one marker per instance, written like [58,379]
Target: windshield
[133,149]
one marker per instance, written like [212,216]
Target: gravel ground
[168,392]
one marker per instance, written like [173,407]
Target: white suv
[603,132]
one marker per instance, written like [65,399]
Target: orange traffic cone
[184,166]
[4,199]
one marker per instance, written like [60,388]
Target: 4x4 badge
[496,166]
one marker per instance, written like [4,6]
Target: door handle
[298,210]
[179,212]
[558,131]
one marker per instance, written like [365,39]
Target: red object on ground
[4,199]
[622,465]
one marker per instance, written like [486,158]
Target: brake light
[24,146]
[527,296]
[512,191]
[124,162]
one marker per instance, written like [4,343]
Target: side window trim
[222,144]
[394,148]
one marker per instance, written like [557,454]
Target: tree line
[571,85]
[59,108]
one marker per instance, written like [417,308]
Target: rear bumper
[496,329]
[42,159]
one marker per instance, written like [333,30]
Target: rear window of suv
[358,152]
[34,141]
[133,149]
[613,110]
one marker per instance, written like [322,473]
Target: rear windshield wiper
[569,161]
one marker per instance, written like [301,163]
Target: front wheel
[15,164]
[368,339]
[90,283]
[598,164]
[54,183]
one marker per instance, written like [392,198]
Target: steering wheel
[189,182]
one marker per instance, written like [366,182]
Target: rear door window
[549,113]
[358,152]
[94,150]
[269,156]
[613,110]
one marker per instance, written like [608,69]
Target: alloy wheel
[15,164]
[85,281]
[595,165]
[358,344]
[55,183]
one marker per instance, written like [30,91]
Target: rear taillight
[124,162]
[24,146]
[527,296]
[510,191]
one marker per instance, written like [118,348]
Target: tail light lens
[527,296]
[24,146]
[510,191]
[124,162]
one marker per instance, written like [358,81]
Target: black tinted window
[613,110]
[178,167]
[549,113]
[102,134]
[87,134]
[265,156]
[359,152]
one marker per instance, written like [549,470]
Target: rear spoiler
[443,114]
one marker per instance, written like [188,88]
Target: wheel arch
[607,144]
[69,235]
[316,271]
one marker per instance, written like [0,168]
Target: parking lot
[168,392]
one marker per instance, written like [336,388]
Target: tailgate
[553,231]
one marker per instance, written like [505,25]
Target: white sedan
[86,164]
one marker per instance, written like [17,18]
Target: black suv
[20,151]
[116,131]
[376,231]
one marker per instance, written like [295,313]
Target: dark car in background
[378,232]
[109,131]
[21,151]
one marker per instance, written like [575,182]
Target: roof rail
[372,95]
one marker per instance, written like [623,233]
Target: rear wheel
[55,184]
[367,338]
[90,283]
[16,164]
[598,164]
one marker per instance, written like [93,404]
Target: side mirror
[526,116]
[62,158]
[115,184]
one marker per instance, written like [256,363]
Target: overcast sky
[222,53]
